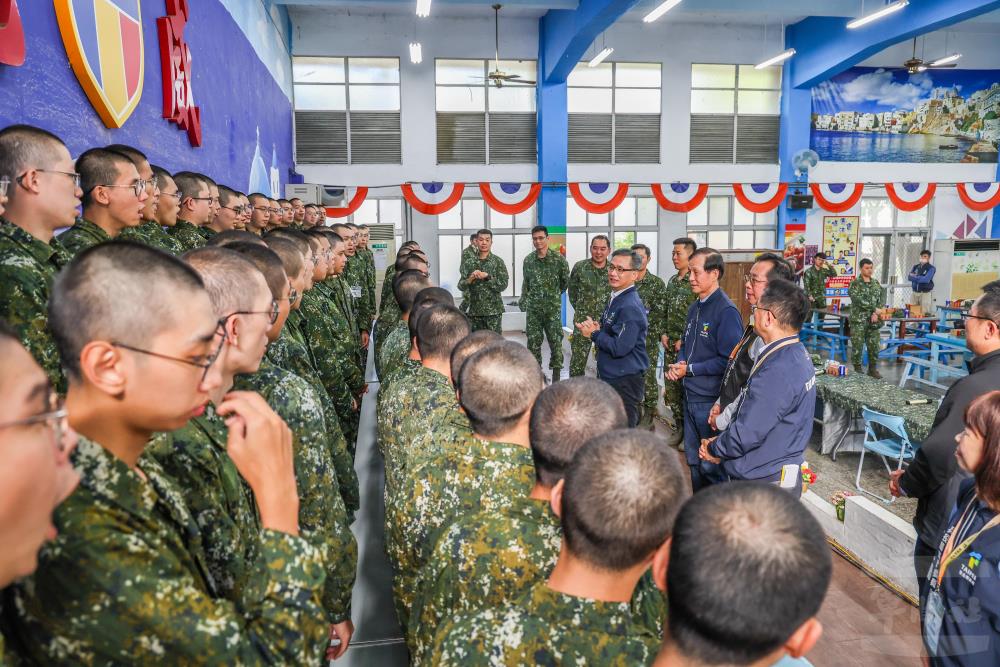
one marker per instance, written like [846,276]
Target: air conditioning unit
[309,193]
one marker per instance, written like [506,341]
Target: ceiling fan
[915,65]
[498,77]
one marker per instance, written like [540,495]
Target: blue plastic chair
[895,444]
[789,661]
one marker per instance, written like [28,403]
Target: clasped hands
[588,327]
[478,275]
[703,451]
[676,371]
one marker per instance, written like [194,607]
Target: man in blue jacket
[774,412]
[713,330]
[922,281]
[620,337]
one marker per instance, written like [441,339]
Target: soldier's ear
[555,498]
[661,560]
[104,366]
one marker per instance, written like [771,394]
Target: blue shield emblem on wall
[103,39]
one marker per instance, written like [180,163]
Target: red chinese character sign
[11,34]
[175,60]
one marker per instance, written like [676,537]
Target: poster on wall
[795,246]
[868,114]
[841,235]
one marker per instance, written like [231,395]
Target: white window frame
[763,222]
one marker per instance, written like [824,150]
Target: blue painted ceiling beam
[568,34]
[825,47]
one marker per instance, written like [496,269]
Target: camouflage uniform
[679,298]
[485,302]
[82,235]
[27,268]
[653,293]
[470,475]
[394,351]
[220,501]
[151,233]
[389,313]
[588,294]
[290,353]
[546,627]
[356,278]
[391,391]
[865,299]
[186,234]
[469,252]
[541,300]
[126,582]
[323,518]
[814,283]
[207,232]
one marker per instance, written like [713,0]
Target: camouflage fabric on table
[151,233]
[546,627]
[588,293]
[543,283]
[27,269]
[323,517]
[394,350]
[187,235]
[852,392]
[814,284]
[484,295]
[220,501]
[679,298]
[126,582]
[866,298]
[653,292]
[82,235]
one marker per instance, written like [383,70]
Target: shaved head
[468,346]
[497,387]
[232,281]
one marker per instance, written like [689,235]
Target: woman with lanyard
[960,610]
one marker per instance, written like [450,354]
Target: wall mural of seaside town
[869,114]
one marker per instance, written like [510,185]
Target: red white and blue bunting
[355,202]
[679,197]
[979,196]
[598,197]
[432,198]
[910,196]
[510,198]
[760,197]
[837,197]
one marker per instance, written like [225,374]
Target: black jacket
[933,477]
[738,370]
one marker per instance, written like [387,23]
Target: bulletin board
[841,242]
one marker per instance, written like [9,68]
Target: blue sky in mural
[875,90]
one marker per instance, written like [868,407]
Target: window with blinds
[480,123]
[347,110]
[614,113]
[734,114]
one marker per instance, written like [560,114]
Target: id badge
[356,292]
[933,618]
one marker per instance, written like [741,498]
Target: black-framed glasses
[271,314]
[754,308]
[53,418]
[202,198]
[176,195]
[747,278]
[72,174]
[980,317]
[238,210]
[617,269]
[137,188]
[203,362]
[262,208]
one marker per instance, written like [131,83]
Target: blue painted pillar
[796,110]
[995,222]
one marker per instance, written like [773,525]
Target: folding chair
[895,444]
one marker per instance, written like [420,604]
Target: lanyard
[760,362]
[951,553]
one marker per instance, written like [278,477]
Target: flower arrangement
[808,477]
[839,500]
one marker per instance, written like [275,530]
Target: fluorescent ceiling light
[784,55]
[423,8]
[416,53]
[875,16]
[660,10]
[599,58]
[947,59]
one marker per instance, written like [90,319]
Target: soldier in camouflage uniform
[195,210]
[546,277]
[364,236]
[484,278]
[354,277]
[148,231]
[620,471]
[679,297]
[653,293]
[152,231]
[814,280]
[468,252]
[588,294]
[867,296]
[43,199]
[126,580]
[472,474]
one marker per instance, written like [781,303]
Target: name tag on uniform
[933,618]
[356,291]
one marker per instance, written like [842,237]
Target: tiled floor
[865,624]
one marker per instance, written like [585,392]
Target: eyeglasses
[980,317]
[176,195]
[54,418]
[72,174]
[238,210]
[754,308]
[4,184]
[137,188]
[271,314]
[293,294]
[202,198]
[275,210]
[202,362]
[617,269]
[747,278]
